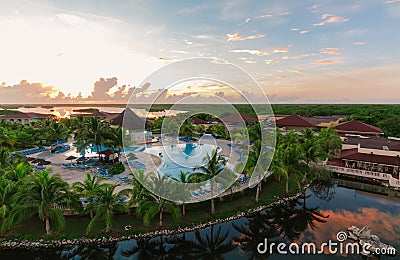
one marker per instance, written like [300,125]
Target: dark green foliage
[116,169]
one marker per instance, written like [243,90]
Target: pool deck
[72,175]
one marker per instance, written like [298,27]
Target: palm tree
[211,170]
[105,206]
[7,191]
[94,132]
[7,138]
[138,191]
[154,204]
[183,178]
[329,141]
[89,189]
[312,153]
[57,131]
[288,161]
[40,194]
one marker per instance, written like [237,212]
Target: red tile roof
[295,120]
[29,115]
[198,121]
[355,126]
[353,154]
[238,118]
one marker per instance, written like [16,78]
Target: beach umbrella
[81,159]
[37,160]
[44,163]
[70,158]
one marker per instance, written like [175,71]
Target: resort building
[358,128]
[295,122]
[236,119]
[27,118]
[134,126]
[99,114]
[326,121]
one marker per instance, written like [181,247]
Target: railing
[366,174]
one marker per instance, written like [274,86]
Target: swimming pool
[180,157]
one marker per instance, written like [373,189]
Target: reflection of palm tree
[182,248]
[84,252]
[324,190]
[306,217]
[148,248]
[212,245]
[284,219]
[259,227]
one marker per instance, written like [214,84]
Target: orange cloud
[299,56]
[239,37]
[288,70]
[360,43]
[325,62]
[330,18]
[271,61]
[250,51]
[330,51]
[281,50]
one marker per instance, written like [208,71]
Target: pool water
[181,157]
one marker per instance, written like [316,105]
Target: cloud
[271,61]
[330,18]
[281,50]
[392,1]
[304,32]
[250,51]
[26,92]
[325,62]
[270,15]
[299,56]
[295,29]
[247,20]
[289,70]
[239,37]
[247,60]
[102,87]
[331,51]
[360,43]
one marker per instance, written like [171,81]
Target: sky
[330,51]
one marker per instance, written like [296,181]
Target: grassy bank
[75,226]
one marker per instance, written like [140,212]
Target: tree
[94,132]
[201,129]
[57,131]
[213,166]
[105,206]
[329,141]
[187,128]
[312,153]
[183,178]
[89,189]
[288,161]
[7,138]
[40,194]
[154,204]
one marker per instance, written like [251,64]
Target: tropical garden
[38,203]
